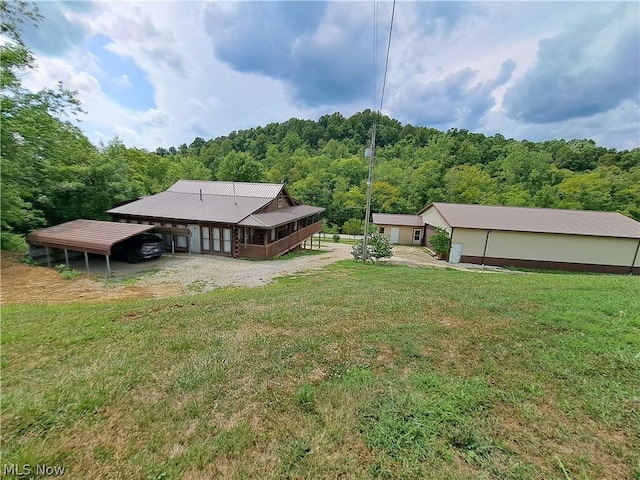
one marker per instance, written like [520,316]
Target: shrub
[441,242]
[336,237]
[378,246]
[66,272]
[12,242]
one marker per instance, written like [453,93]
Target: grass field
[351,372]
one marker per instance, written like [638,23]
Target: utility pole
[371,153]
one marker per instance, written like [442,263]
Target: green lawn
[351,372]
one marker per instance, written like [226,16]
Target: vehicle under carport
[85,236]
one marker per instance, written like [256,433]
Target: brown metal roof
[398,219]
[188,207]
[538,220]
[229,189]
[90,236]
[280,216]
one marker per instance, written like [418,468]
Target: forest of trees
[52,173]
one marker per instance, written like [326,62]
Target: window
[417,234]
[216,239]
[381,230]
[273,234]
[206,243]
[226,240]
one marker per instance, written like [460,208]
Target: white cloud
[196,94]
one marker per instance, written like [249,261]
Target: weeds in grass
[66,272]
[291,454]
[197,286]
[306,396]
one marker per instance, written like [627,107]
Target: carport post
[86,260]
[46,249]
[108,266]
[66,257]
[173,246]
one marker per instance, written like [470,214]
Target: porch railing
[281,246]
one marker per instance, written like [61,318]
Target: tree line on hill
[52,173]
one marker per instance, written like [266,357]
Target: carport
[87,236]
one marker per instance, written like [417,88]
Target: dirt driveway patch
[174,275]
[166,276]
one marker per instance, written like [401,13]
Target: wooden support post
[66,257]
[46,249]
[86,260]
[173,245]
[108,266]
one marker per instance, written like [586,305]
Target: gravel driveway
[203,273]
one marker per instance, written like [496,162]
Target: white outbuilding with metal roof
[538,237]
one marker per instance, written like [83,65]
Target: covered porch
[271,234]
[257,244]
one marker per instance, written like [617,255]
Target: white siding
[472,240]
[550,247]
[432,217]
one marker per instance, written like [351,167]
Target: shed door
[395,234]
[456,253]
[417,236]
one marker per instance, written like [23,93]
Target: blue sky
[162,73]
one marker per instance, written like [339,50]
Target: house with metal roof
[543,238]
[246,220]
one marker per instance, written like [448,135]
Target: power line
[376,116]
[375,54]
[386,65]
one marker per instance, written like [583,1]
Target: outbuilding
[544,238]
[81,237]
[401,229]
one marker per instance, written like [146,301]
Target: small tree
[441,242]
[378,246]
[353,226]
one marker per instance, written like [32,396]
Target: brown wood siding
[273,204]
[548,265]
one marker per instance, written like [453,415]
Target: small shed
[83,236]
[401,229]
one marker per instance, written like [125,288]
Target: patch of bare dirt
[174,275]
[22,283]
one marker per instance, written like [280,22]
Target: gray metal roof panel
[189,207]
[539,220]
[280,216]
[239,189]
[91,236]
[398,219]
